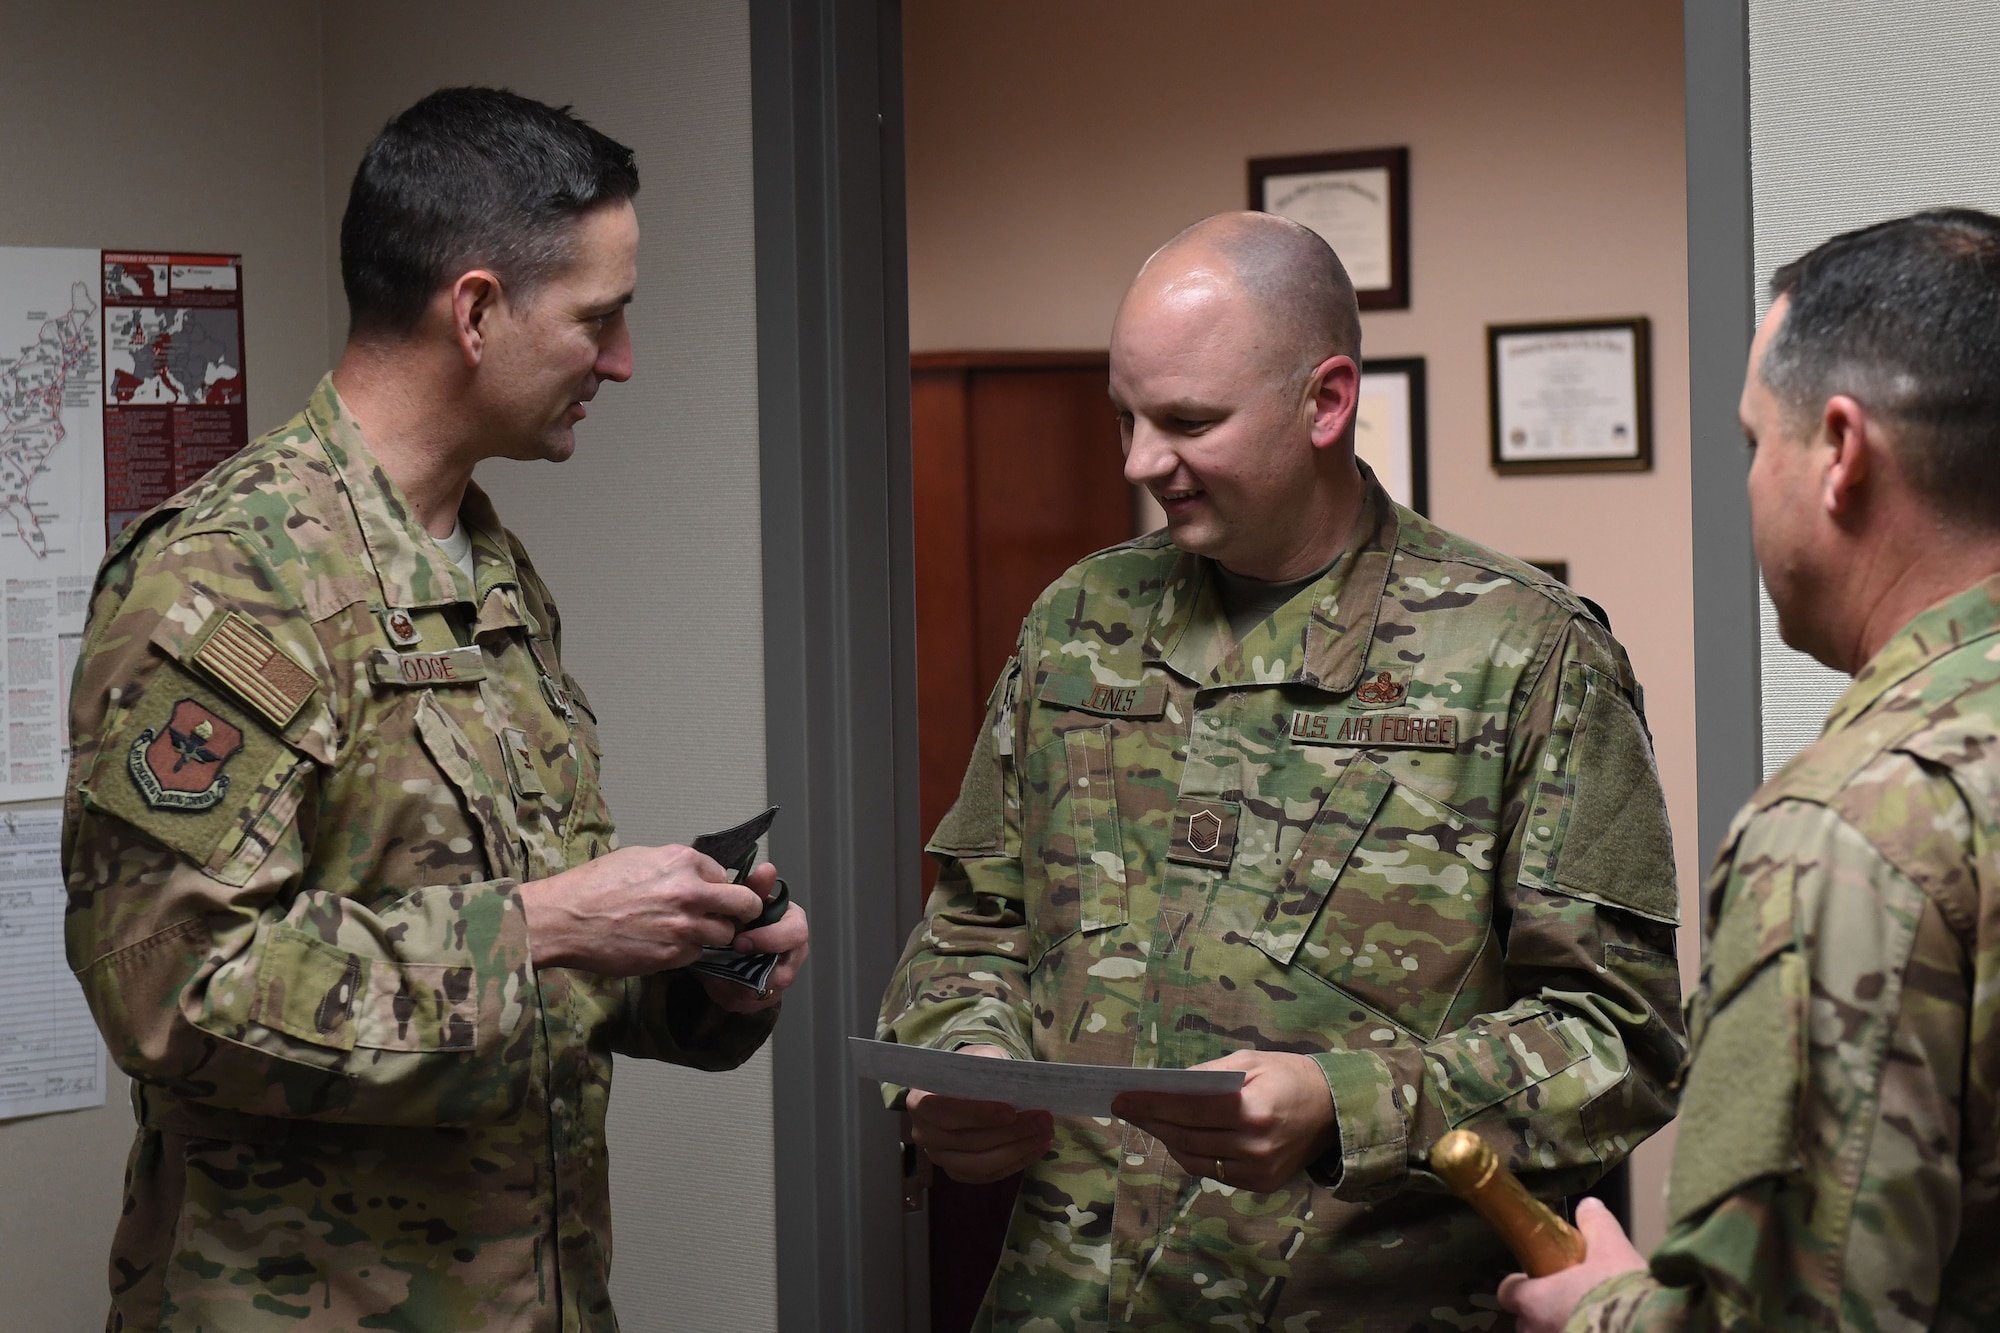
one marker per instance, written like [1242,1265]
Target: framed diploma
[1389,432]
[1360,202]
[1570,397]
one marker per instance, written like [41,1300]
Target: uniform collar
[1951,624]
[413,569]
[1319,638]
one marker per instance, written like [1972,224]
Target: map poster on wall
[173,375]
[51,501]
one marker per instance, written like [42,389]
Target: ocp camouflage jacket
[1838,1164]
[313,762]
[1410,826]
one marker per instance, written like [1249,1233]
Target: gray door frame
[833,369]
[1721,318]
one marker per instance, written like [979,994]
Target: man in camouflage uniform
[1839,1155]
[343,893]
[1307,787]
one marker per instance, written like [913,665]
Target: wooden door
[1018,474]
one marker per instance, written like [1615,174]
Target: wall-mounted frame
[1359,202]
[1570,397]
[1390,433]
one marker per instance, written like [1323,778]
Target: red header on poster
[173,374]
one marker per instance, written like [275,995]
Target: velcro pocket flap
[307,988]
[469,771]
[976,824]
[1345,814]
[1497,1058]
[417,1007]
[189,766]
[1741,1101]
[1617,847]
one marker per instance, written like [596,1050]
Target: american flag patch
[242,655]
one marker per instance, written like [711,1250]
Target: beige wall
[1053,145]
[236,127]
[152,151]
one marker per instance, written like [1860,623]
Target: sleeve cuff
[1613,1305]
[954,1038]
[1371,1159]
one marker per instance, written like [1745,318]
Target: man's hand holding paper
[978,1142]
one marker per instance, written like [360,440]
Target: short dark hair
[1905,317]
[470,178]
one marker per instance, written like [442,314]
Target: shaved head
[1290,276]
[1235,372]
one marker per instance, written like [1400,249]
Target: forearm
[963,977]
[268,1001]
[1563,1082]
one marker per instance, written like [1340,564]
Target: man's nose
[614,357]
[1148,458]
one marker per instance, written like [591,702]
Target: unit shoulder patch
[178,765]
[241,655]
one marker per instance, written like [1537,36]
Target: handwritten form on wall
[50,1056]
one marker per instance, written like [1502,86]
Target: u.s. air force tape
[1380,731]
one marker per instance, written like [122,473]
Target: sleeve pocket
[976,824]
[1600,821]
[1496,1059]
[1741,1101]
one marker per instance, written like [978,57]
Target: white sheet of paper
[1027,1085]
[50,1055]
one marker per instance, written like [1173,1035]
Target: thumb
[1601,1232]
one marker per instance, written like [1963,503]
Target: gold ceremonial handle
[1543,1242]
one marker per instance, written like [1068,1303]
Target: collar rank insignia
[179,766]
[1381,692]
[401,627]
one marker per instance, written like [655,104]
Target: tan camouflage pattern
[1477,936]
[360,1105]
[1839,1156]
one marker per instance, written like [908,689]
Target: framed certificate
[1570,397]
[1389,431]
[1359,202]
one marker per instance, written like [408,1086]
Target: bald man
[1302,786]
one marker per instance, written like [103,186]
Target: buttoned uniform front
[1839,1156]
[299,924]
[1409,826]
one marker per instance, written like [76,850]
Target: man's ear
[474,298]
[1851,439]
[1335,389]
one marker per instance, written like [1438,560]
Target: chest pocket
[490,808]
[1075,841]
[1388,898]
